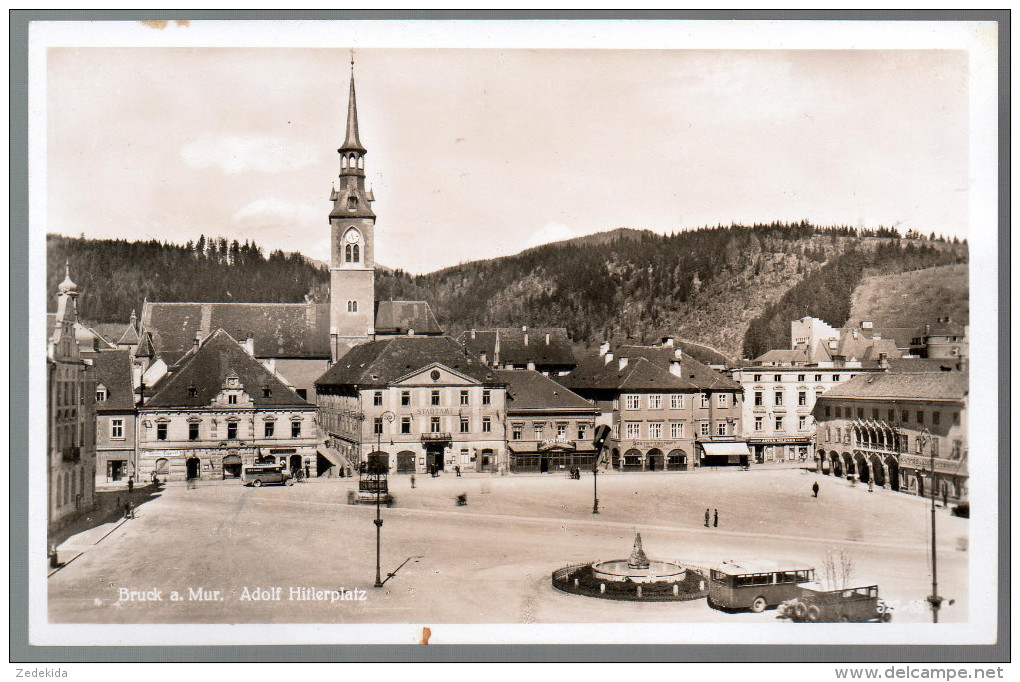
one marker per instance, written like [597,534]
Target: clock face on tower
[352,237]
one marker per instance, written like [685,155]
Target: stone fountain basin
[618,571]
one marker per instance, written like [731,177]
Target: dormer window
[100,393]
[267,392]
[192,391]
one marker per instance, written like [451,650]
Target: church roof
[113,370]
[380,363]
[397,317]
[206,370]
[352,142]
[280,330]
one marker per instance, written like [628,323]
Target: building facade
[219,410]
[549,427]
[891,430]
[70,384]
[425,402]
[115,426]
[669,411]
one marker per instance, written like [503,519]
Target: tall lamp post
[601,434]
[934,599]
[377,464]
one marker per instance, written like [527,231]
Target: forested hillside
[734,288]
[115,276]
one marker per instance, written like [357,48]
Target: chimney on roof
[197,340]
[668,341]
[608,356]
[483,358]
[531,365]
[249,344]
[677,353]
[927,328]
[883,360]
[134,320]
[623,362]
[547,337]
[474,333]
[604,348]
[525,330]
[867,324]
[410,331]
[675,367]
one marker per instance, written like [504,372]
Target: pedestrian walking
[131,484]
[716,522]
[129,510]
[814,488]
[708,517]
[412,481]
[945,497]
[457,469]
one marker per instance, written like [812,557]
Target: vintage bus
[755,585]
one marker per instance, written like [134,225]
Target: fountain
[637,578]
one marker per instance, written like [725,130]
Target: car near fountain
[816,604]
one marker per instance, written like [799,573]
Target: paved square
[222,545]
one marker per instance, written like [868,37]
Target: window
[267,392]
[100,394]
[193,431]
[874,414]
[920,416]
[582,431]
[633,402]
[161,431]
[802,398]
[676,430]
[377,426]
[818,377]
[655,430]
[633,429]
[486,397]
[116,428]
[539,430]
[758,424]
[759,398]
[757,377]
[721,400]
[232,399]
[377,399]
[802,423]
[405,398]
[518,431]
[891,415]
[905,417]
[860,413]
[676,401]
[704,400]
[779,423]
[268,429]
[720,429]
[561,430]
[465,425]
[801,377]
[835,377]
[434,425]
[935,418]
[463,397]
[295,429]
[486,424]
[779,398]
[705,429]
[616,403]
[828,411]
[956,418]
[352,306]
[655,402]
[616,430]
[231,430]
[405,425]
[435,397]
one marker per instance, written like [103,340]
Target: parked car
[815,604]
[258,475]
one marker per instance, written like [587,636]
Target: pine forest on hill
[734,288]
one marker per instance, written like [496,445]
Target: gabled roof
[206,369]
[145,349]
[911,386]
[647,368]
[111,331]
[398,317]
[380,363]
[129,337]
[546,346]
[280,330]
[530,390]
[113,370]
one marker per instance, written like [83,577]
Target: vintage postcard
[513,332]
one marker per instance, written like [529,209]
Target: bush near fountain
[634,579]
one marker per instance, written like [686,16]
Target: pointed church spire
[352,143]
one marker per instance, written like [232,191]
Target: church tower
[352,256]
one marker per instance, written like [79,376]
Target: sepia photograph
[362,333]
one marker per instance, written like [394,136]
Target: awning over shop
[729,449]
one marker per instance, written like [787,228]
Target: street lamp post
[377,464]
[934,599]
[601,435]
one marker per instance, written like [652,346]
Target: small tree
[839,568]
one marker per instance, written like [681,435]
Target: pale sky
[476,153]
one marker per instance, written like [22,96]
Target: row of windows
[435,425]
[633,430]
[890,415]
[802,377]
[435,398]
[68,486]
[68,393]
[676,401]
[268,430]
[517,430]
[778,397]
[802,423]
